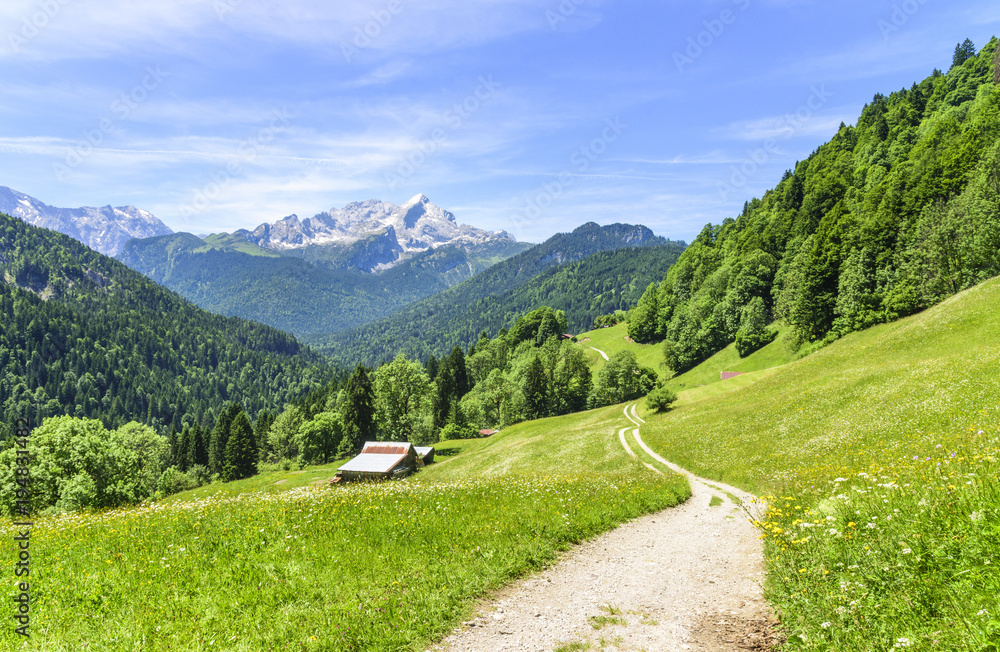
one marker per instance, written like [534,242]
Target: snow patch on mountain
[105,229]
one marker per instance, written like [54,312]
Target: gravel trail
[686,578]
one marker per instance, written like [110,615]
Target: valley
[784,435]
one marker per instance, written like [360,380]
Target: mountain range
[104,229]
[390,233]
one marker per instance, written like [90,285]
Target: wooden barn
[380,460]
[426,453]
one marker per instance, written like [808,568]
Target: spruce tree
[457,363]
[963,52]
[536,389]
[241,452]
[359,413]
[220,436]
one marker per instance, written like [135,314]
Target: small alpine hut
[380,460]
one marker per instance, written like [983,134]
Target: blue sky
[532,116]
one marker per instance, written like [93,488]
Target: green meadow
[878,457]
[256,565]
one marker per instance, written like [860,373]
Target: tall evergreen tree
[241,449]
[457,363]
[431,367]
[220,437]
[963,52]
[358,413]
[535,389]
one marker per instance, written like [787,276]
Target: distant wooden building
[426,454]
[726,375]
[380,461]
[487,433]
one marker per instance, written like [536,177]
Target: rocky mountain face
[105,229]
[380,234]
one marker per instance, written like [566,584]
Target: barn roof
[373,463]
[386,448]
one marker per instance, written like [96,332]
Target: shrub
[173,481]
[661,399]
[455,431]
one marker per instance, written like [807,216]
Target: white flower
[825,625]
[982,612]
[976,516]
[870,525]
[833,531]
[906,551]
[903,642]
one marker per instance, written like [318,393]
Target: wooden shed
[380,461]
[426,453]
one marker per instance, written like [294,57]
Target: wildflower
[906,551]
[976,516]
[825,625]
[903,642]
[982,612]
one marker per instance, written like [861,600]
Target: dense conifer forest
[85,336]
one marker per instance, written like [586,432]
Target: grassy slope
[585,442]
[880,452]
[270,482]
[756,365]
[383,566]
[895,384]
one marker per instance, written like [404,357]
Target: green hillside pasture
[581,443]
[775,354]
[273,481]
[879,453]
[612,340]
[385,566]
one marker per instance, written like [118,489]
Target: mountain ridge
[105,229]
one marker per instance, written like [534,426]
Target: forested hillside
[604,269]
[85,336]
[316,289]
[889,217]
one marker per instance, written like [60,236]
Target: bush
[455,431]
[749,341]
[172,481]
[199,475]
[661,399]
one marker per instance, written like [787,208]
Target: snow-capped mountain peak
[105,229]
[417,225]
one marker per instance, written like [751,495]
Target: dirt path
[686,578]
[603,354]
